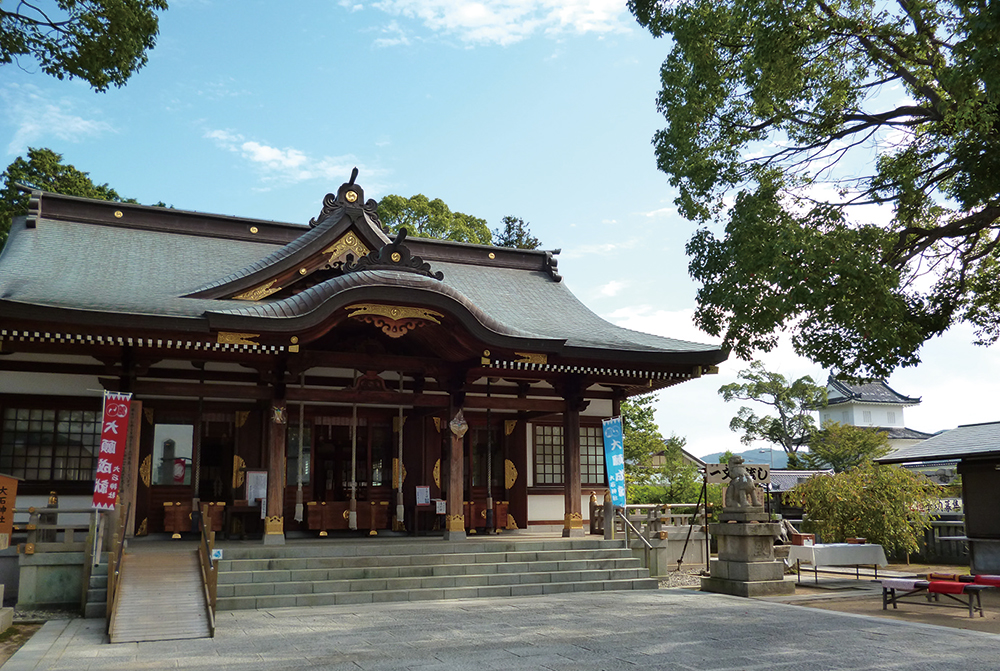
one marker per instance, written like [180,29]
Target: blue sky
[542,109]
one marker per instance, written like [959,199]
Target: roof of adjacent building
[902,433]
[968,441]
[784,480]
[81,261]
[839,392]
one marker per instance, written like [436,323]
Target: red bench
[955,588]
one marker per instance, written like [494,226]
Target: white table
[837,554]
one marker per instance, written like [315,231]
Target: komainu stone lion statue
[742,491]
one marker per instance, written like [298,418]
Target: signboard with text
[111,452]
[8,495]
[718,474]
[614,459]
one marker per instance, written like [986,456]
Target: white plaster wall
[552,507]
[50,385]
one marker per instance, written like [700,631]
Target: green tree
[843,447]
[773,112]
[885,504]
[515,234]
[100,41]
[792,425]
[655,468]
[426,218]
[45,170]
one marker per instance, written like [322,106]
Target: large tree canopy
[45,170]
[427,218]
[101,41]
[853,149]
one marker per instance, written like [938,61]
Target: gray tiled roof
[971,440]
[784,480]
[121,270]
[839,392]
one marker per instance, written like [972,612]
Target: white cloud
[37,118]
[662,212]
[508,21]
[612,288]
[288,165]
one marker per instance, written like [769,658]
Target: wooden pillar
[455,515]
[573,521]
[274,522]
[572,392]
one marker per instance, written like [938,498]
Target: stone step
[424,570]
[363,549]
[379,596]
[430,582]
[229,563]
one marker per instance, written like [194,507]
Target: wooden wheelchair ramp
[160,598]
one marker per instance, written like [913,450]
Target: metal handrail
[628,525]
[209,568]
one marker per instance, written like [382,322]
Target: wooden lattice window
[46,445]
[549,455]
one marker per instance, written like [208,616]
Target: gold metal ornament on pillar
[436,473]
[455,522]
[573,521]
[510,473]
[145,469]
[274,524]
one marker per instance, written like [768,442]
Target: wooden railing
[43,531]
[651,519]
[116,551]
[209,567]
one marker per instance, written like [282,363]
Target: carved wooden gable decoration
[347,228]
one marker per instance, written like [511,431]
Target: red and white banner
[114,432]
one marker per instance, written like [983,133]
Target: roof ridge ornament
[348,199]
[394,256]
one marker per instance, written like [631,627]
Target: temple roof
[81,261]
[970,440]
[878,392]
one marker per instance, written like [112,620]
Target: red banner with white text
[114,432]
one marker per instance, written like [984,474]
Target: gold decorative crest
[510,473]
[343,245]
[437,473]
[508,426]
[531,357]
[394,320]
[511,522]
[258,293]
[227,338]
[142,530]
[437,424]
[145,469]
[239,471]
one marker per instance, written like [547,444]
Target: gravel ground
[688,577]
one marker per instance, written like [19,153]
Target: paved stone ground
[679,630]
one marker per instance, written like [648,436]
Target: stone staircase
[381,570]
[97,591]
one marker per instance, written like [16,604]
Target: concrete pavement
[672,629]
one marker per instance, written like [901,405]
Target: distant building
[873,404]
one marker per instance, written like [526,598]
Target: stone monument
[745,535]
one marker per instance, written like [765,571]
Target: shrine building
[338,370]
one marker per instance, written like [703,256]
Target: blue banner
[614,459]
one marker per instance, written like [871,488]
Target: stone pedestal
[746,564]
